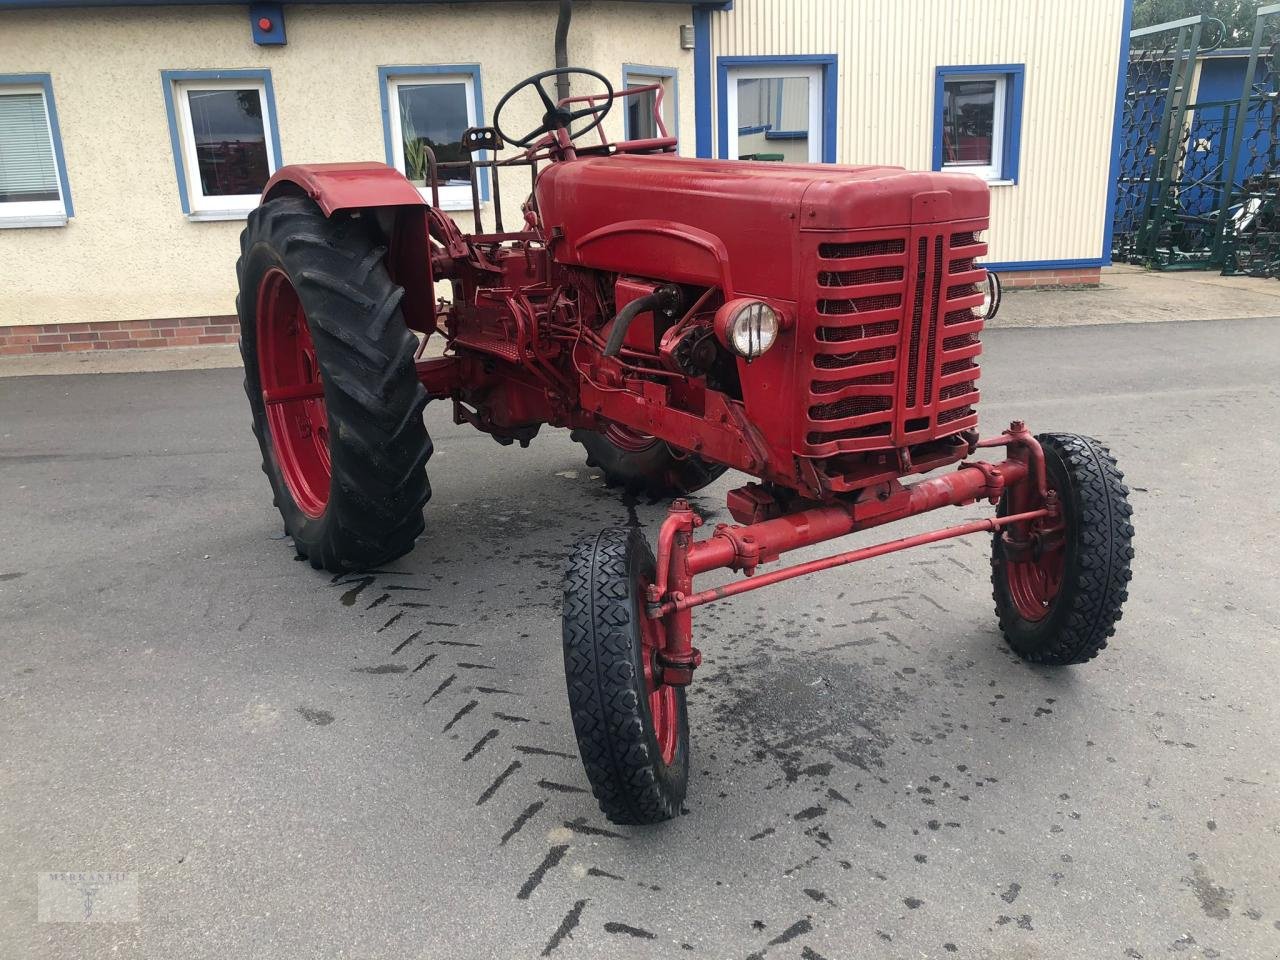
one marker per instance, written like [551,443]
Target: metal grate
[844,334]
[853,278]
[839,308]
[863,371]
[931,353]
[917,319]
[821,387]
[951,416]
[864,248]
[958,366]
[959,342]
[817,437]
[838,361]
[850,407]
[955,390]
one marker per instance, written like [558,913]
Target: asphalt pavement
[290,765]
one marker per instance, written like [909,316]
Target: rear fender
[401,213]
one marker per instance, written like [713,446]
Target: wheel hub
[663,710]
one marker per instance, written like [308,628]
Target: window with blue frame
[643,109]
[225,145]
[33,180]
[426,110]
[777,108]
[978,120]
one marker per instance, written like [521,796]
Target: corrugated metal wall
[888,52]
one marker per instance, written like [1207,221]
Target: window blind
[27,169]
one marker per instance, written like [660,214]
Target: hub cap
[663,710]
[293,394]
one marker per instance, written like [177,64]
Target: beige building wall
[888,51]
[130,253]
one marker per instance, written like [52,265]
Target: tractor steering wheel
[556,117]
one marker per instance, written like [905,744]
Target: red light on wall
[264,24]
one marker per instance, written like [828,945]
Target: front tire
[633,733]
[1061,607]
[330,376]
[643,464]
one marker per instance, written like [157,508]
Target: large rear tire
[329,371]
[643,464]
[1060,607]
[633,732]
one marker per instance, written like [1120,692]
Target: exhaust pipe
[562,47]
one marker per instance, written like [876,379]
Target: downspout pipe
[562,47]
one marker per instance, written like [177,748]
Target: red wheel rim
[624,438]
[663,710]
[292,393]
[1034,584]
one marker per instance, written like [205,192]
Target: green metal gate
[1197,188]
[1251,214]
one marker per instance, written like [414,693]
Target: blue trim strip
[1113,188]
[827,61]
[435,69]
[1011,152]
[647,70]
[702,80]
[783,134]
[1018,266]
[170,77]
[44,81]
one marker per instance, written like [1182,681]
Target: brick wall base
[1051,279]
[116,335]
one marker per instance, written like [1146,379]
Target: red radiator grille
[893,343]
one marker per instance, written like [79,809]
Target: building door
[775,113]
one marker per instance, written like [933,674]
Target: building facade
[135,137]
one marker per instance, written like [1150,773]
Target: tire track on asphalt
[461,704]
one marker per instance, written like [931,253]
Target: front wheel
[1060,606]
[640,463]
[329,370]
[632,730]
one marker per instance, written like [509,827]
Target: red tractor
[815,327]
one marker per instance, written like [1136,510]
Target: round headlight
[747,327]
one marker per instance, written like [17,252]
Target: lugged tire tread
[1098,586]
[378,440]
[605,700]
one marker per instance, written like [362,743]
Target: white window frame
[231,206]
[993,171]
[456,197]
[814,74]
[637,76]
[36,213]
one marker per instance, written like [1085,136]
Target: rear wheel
[632,730]
[640,463]
[1061,605]
[329,371]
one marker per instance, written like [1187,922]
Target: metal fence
[1197,189]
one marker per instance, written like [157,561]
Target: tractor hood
[730,222]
